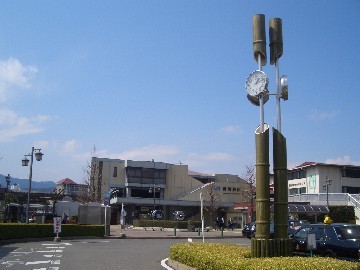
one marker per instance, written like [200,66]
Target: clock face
[256,83]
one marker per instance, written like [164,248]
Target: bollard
[199,231]
[174,231]
[222,231]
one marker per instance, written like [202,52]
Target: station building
[141,186]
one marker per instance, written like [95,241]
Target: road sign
[57,225]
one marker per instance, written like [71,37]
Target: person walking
[230,224]
[64,218]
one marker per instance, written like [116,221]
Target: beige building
[310,177]
[146,185]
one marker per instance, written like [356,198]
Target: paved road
[88,254]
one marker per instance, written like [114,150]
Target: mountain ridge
[42,186]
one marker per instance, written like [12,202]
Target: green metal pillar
[284,244]
[262,183]
[280,185]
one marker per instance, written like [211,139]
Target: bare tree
[92,180]
[212,196]
[250,188]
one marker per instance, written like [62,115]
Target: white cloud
[230,129]
[344,160]
[195,160]
[319,116]
[13,125]
[69,147]
[215,156]
[156,152]
[14,73]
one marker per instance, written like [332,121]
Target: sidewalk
[160,233]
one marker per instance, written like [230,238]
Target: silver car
[179,215]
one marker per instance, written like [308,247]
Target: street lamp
[7,179]
[326,187]
[153,190]
[25,162]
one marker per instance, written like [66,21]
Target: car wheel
[329,253]
[249,236]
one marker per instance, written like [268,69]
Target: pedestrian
[217,223]
[222,223]
[230,224]
[64,218]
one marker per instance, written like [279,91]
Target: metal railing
[341,198]
[188,192]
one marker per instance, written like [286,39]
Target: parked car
[335,240]
[248,229]
[294,225]
[157,215]
[179,215]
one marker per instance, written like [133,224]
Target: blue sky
[165,80]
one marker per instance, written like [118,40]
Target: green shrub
[339,214]
[22,230]
[165,223]
[216,256]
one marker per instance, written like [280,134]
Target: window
[296,175]
[319,233]
[133,172]
[147,173]
[115,172]
[351,173]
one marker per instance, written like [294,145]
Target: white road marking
[11,263]
[55,262]
[37,262]
[48,251]
[57,244]
[163,264]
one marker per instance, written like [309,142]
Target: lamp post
[25,162]
[7,179]
[326,187]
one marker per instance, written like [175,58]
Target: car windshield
[302,233]
[348,232]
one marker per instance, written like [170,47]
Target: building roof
[309,164]
[192,173]
[66,181]
[306,163]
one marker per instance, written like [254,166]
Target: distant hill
[43,186]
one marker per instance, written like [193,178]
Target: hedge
[216,256]
[166,223]
[21,230]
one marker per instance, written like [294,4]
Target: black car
[248,229]
[294,225]
[157,215]
[335,240]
